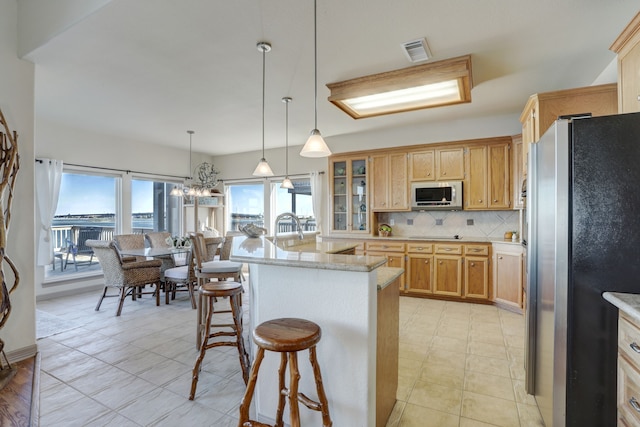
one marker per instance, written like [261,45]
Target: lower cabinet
[628,371]
[476,272]
[393,251]
[447,275]
[508,275]
[419,268]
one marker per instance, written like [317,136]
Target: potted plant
[384,230]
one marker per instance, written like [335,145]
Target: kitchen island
[359,347]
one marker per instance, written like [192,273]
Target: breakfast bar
[353,298]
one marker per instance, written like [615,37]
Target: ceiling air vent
[416,50]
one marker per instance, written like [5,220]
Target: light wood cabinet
[390,191]
[518,171]
[508,263]
[449,163]
[477,272]
[447,276]
[419,265]
[488,184]
[392,251]
[628,370]
[542,109]
[627,46]
[422,166]
[349,194]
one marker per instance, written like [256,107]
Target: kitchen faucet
[287,215]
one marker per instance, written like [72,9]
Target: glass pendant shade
[286,183]
[175,191]
[315,146]
[263,169]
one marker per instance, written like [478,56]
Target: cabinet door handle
[480,201]
[390,259]
[473,264]
[448,249]
[495,200]
[500,257]
[426,261]
[635,347]
[440,262]
[429,173]
[420,248]
[634,404]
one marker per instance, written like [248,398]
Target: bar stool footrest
[311,404]
[255,424]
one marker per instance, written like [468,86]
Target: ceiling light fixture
[435,84]
[286,182]
[207,176]
[263,168]
[315,145]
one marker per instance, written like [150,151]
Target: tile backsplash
[489,224]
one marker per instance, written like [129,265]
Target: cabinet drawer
[420,248]
[448,248]
[477,250]
[385,246]
[629,340]
[628,391]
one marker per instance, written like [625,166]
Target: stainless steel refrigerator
[583,219]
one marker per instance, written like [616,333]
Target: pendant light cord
[315,61]
[286,137]
[263,95]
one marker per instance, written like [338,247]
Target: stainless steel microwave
[436,195]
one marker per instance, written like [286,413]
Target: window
[296,200]
[246,204]
[87,208]
[153,209]
[91,206]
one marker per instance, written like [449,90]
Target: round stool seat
[220,289]
[287,334]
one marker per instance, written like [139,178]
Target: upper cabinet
[542,109]
[422,166]
[449,163]
[349,195]
[389,185]
[627,46]
[488,183]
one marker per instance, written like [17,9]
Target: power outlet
[392,222]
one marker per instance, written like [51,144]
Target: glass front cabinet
[349,194]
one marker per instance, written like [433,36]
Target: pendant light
[263,168]
[286,182]
[315,145]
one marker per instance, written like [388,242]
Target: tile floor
[460,365]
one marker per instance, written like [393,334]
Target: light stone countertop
[386,276]
[260,250]
[629,303]
[434,239]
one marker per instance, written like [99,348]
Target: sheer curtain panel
[48,178]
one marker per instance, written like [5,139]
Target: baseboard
[69,292]
[22,353]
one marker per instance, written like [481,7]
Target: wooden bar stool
[209,291]
[287,337]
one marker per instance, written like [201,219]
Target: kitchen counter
[346,295]
[462,239]
[629,303]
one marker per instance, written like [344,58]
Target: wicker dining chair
[128,277]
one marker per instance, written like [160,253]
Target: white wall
[16,101]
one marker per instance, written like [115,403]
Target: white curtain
[317,195]
[48,178]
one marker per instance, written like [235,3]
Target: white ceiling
[149,70]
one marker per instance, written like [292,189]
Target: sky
[89,194]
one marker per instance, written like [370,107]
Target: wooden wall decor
[9,165]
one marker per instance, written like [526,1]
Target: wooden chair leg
[294,377]
[236,312]
[123,294]
[157,294]
[282,389]
[104,292]
[322,397]
[251,385]
[203,349]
